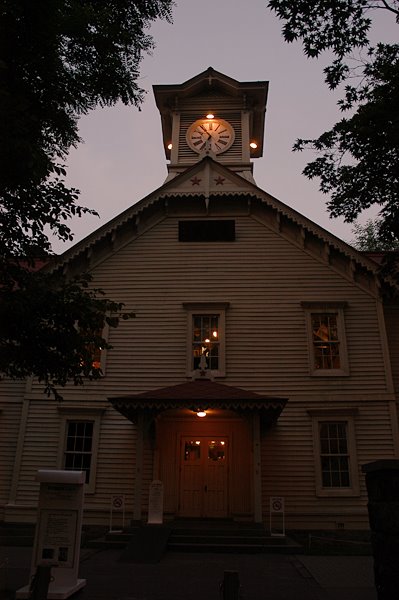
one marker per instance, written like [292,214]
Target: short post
[40,583]
[382,481]
[230,586]
[155,503]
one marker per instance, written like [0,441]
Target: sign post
[117,506]
[277,516]
[58,532]
[155,505]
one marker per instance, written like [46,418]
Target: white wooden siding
[11,393]
[288,465]
[392,325]
[264,277]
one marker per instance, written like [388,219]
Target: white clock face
[210,134]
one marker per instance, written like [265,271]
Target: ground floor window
[334,455]
[337,472]
[79,447]
[80,433]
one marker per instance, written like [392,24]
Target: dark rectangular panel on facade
[207,230]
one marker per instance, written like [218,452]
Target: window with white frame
[206,338]
[78,452]
[335,453]
[79,447]
[98,354]
[95,353]
[326,338]
[206,342]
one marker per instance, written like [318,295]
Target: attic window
[206,230]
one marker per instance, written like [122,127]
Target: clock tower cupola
[212,115]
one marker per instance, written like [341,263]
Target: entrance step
[227,536]
[114,539]
[206,536]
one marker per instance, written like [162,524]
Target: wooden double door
[204,469]
[205,466]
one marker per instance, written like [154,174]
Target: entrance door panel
[204,477]
[191,477]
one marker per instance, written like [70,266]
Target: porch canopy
[196,395]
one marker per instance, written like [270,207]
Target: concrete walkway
[192,576]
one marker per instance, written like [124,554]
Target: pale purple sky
[121,159]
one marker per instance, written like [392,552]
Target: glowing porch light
[253,145]
[170,146]
[214,334]
[201,413]
[210,116]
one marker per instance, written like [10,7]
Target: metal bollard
[230,587]
[40,582]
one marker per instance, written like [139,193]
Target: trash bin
[382,481]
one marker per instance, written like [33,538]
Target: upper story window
[98,354]
[206,338]
[326,338]
[206,342]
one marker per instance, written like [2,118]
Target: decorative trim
[206,305]
[333,412]
[81,409]
[320,304]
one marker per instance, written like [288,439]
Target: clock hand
[207,131]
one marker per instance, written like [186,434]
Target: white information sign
[155,505]
[117,506]
[277,516]
[58,532]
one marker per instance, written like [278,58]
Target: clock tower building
[255,378]
[215,115]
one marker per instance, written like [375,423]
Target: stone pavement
[191,576]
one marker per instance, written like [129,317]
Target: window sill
[337,493]
[207,374]
[329,373]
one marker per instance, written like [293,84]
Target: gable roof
[205,182]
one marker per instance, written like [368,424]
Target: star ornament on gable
[195,181]
[219,180]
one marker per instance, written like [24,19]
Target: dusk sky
[122,158]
